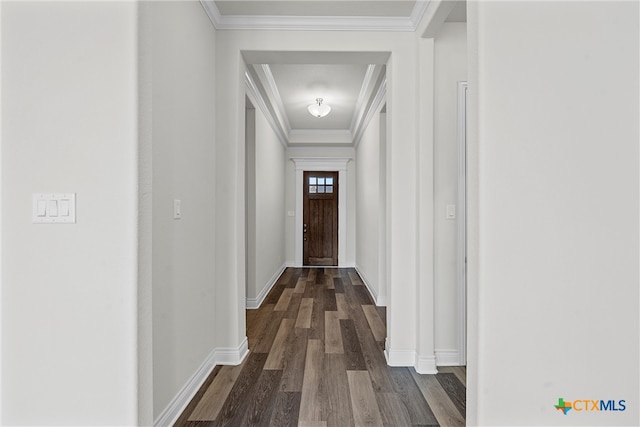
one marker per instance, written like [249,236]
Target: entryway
[334,168]
[320,218]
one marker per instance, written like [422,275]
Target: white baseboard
[232,356]
[400,357]
[380,300]
[447,358]
[170,415]
[253,303]
[366,282]
[422,364]
[426,365]
[219,356]
[296,265]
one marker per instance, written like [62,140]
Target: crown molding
[436,17]
[315,23]
[255,94]
[378,100]
[362,96]
[266,76]
[419,9]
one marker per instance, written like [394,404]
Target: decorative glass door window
[319,185]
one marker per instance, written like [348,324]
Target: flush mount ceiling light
[319,109]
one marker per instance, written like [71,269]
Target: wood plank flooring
[317,360]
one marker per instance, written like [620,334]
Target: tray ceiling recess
[284,84]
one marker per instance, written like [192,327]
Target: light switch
[291,213]
[451,211]
[177,209]
[54,208]
[63,207]
[41,208]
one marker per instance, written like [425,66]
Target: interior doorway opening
[250,193]
[320,218]
[315,164]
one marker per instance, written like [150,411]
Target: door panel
[320,218]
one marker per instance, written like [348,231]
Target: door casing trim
[329,164]
[461,232]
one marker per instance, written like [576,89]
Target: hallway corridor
[316,359]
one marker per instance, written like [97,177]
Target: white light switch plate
[54,208]
[177,209]
[451,211]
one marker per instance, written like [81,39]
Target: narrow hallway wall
[269,196]
[368,212]
[450,68]
[182,47]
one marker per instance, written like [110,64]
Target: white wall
[270,208]
[368,212]
[69,102]
[182,47]
[554,240]
[450,68]
[320,152]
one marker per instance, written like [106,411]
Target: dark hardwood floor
[317,360]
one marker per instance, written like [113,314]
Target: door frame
[315,164]
[461,256]
[310,228]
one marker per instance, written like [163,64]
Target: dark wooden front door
[320,218]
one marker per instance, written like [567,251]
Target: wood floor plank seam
[211,403]
[275,360]
[333,335]
[366,411]
[304,315]
[283,301]
[294,361]
[310,409]
[443,408]
[375,323]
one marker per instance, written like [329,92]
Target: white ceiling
[338,85]
[284,84]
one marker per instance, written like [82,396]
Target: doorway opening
[250,194]
[320,218]
[338,165]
